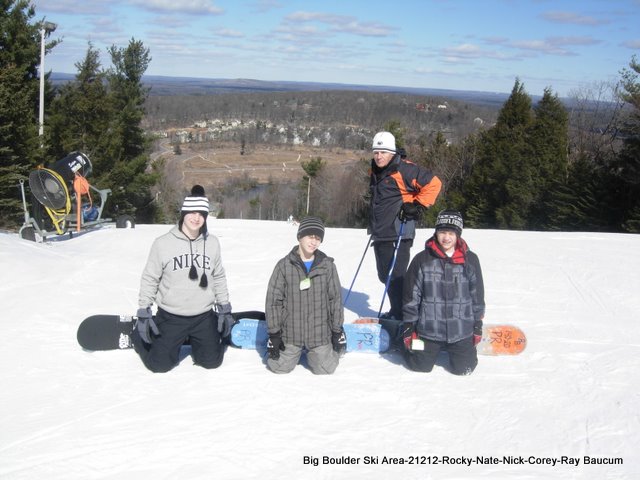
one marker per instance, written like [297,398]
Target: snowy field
[573,395]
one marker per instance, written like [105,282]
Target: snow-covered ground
[573,394]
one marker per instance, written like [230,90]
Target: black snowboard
[113,332]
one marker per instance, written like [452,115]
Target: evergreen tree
[19,87]
[627,166]
[129,95]
[576,202]
[100,114]
[18,143]
[81,112]
[126,155]
[548,143]
[500,190]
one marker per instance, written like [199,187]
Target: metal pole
[41,112]
[358,269]
[47,27]
[393,264]
[24,203]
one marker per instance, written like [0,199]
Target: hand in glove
[477,333]
[275,345]
[145,324]
[409,334]
[339,341]
[409,211]
[225,319]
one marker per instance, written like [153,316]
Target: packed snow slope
[568,407]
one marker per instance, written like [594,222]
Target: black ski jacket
[443,295]
[399,182]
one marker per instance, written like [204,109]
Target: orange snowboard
[501,340]
[497,339]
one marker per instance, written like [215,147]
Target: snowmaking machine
[62,200]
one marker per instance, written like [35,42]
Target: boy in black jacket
[443,300]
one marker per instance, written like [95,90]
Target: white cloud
[191,7]
[573,18]
[227,32]
[263,6]
[573,41]
[632,44]
[342,23]
[88,7]
[554,45]
[465,52]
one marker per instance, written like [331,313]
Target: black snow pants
[207,349]
[384,251]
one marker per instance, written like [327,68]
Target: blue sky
[480,45]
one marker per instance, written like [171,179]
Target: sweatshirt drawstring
[193,273]
[203,279]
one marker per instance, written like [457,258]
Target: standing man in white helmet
[399,189]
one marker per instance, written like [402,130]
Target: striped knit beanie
[196,202]
[311,226]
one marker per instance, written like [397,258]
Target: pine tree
[19,87]
[548,143]
[128,97]
[578,201]
[126,149]
[627,166]
[500,190]
[80,114]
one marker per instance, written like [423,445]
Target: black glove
[477,332]
[409,334]
[275,345]
[409,211]
[225,319]
[145,324]
[339,341]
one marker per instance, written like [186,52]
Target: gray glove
[225,319]
[145,324]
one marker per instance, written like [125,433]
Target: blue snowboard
[361,337]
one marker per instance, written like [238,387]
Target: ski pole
[393,264]
[356,275]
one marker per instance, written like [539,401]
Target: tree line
[334,117]
[542,166]
[538,168]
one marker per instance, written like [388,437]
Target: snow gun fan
[52,187]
